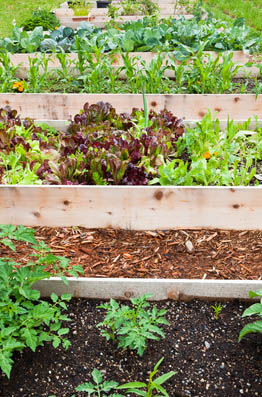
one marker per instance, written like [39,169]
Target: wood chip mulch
[196,254]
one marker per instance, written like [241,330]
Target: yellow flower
[18,85]
[56,28]
[215,154]
[207,155]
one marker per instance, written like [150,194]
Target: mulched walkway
[204,254]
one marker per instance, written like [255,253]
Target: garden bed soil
[204,351]
[196,254]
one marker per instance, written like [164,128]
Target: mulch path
[204,254]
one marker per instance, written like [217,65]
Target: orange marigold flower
[16,85]
[21,88]
[215,154]
[207,155]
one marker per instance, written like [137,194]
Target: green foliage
[151,386]
[253,310]
[95,389]
[133,7]
[217,309]
[184,36]
[44,18]
[224,158]
[132,327]
[25,319]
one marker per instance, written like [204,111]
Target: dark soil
[214,254]
[204,351]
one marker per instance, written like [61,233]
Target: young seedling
[131,327]
[151,386]
[95,389]
[217,310]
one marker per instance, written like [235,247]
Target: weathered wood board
[132,207]
[100,21]
[187,106]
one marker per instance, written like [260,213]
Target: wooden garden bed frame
[101,21]
[239,58]
[165,9]
[150,207]
[187,106]
[133,207]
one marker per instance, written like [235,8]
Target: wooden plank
[133,207]
[187,106]
[161,289]
[239,58]
[100,21]
[165,9]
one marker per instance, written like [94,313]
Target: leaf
[253,309]
[8,243]
[249,328]
[56,341]
[5,363]
[163,378]
[54,297]
[130,385]
[30,338]
[87,387]
[66,297]
[97,376]
[63,331]
[252,294]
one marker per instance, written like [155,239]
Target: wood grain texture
[162,289]
[132,207]
[100,21]
[187,106]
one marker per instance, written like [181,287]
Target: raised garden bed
[207,357]
[239,58]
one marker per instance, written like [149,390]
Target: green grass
[251,10]
[20,10]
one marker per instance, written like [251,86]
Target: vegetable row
[127,73]
[185,36]
[105,148]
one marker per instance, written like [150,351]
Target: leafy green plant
[255,309]
[25,319]
[217,310]
[151,386]
[131,327]
[41,17]
[99,386]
